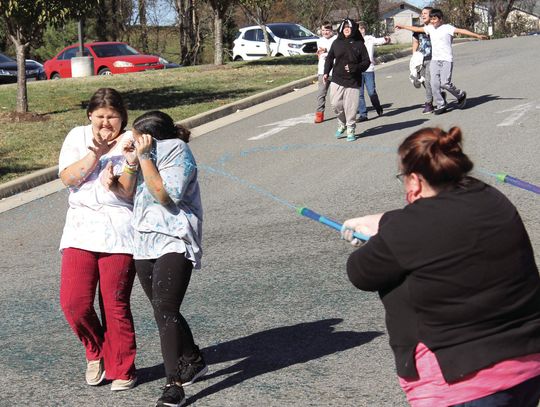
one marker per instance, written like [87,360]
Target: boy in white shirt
[323,46]
[441,36]
[368,77]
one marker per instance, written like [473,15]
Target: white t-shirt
[441,41]
[176,228]
[370,41]
[324,43]
[97,220]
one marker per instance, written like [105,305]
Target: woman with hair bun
[455,271]
[167,220]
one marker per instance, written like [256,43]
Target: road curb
[26,182]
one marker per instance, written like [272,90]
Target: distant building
[400,13]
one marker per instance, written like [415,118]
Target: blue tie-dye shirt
[177,227]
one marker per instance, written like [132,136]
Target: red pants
[112,338]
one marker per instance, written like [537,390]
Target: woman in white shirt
[167,221]
[97,242]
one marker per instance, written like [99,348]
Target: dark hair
[161,126]
[436,155]
[327,24]
[435,12]
[427,8]
[108,98]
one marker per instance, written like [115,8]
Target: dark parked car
[8,70]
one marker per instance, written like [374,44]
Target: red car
[109,58]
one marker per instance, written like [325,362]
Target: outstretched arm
[468,33]
[410,28]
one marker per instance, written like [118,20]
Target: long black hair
[161,126]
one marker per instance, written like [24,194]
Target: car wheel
[238,58]
[279,55]
[104,71]
[55,75]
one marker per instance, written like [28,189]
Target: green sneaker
[340,132]
[350,135]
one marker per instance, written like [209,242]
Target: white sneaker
[95,373]
[123,384]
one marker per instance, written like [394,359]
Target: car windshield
[4,58]
[291,31]
[113,50]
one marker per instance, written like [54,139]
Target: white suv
[285,39]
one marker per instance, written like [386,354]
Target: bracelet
[130,169]
[145,156]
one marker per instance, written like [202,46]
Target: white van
[286,39]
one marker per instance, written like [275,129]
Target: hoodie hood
[355,33]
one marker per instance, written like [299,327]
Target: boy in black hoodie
[348,57]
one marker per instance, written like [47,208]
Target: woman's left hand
[143,145]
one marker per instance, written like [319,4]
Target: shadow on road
[480,100]
[377,130]
[278,348]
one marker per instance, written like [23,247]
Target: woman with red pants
[97,242]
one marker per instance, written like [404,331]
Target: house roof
[399,6]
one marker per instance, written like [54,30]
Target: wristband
[129,169]
[145,156]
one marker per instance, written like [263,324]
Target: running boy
[441,36]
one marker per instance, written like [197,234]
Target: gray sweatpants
[321,93]
[426,73]
[345,103]
[441,79]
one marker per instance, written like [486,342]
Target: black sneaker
[190,372]
[462,100]
[379,110]
[440,109]
[443,94]
[173,396]
[362,119]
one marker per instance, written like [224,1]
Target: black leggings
[165,281]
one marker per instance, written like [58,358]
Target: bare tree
[499,10]
[144,26]
[460,13]
[259,12]
[312,13]
[219,9]
[24,22]
[188,31]
[112,18]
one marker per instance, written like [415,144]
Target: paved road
[272,308]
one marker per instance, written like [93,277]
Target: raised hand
[101,145]
[143,145]
[128,150]
[107,177]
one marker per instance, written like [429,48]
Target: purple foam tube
[518,183]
